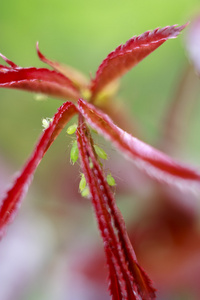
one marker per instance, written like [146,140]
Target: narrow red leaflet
[127,280]
[38,80]
[126,56]
[155,163]
[74,75]
[12,200]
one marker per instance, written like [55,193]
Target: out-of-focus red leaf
[74,75]
[155,163]
[127,279]
[179,112]
[11,202]
[126,56]
[38,80]
[193,43]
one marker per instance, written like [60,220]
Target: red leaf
[155,163]
[37,80]
[193,43]
[74,75]
[12,200]
[127,280]
[126,56]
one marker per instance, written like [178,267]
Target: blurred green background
[81,34]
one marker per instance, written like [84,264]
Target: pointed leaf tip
[173,31]
[8,61]
[40,55]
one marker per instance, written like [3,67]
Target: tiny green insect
[86,192]
[82,183]
[71,129]
[74,152]
[100,152]
[90,163]
[110,180]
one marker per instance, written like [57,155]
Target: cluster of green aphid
[74,153]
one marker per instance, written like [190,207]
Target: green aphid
[86,192]
[82,183]
[100,152]
[90,163]
[110,180]
[74,152]
[71,129]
